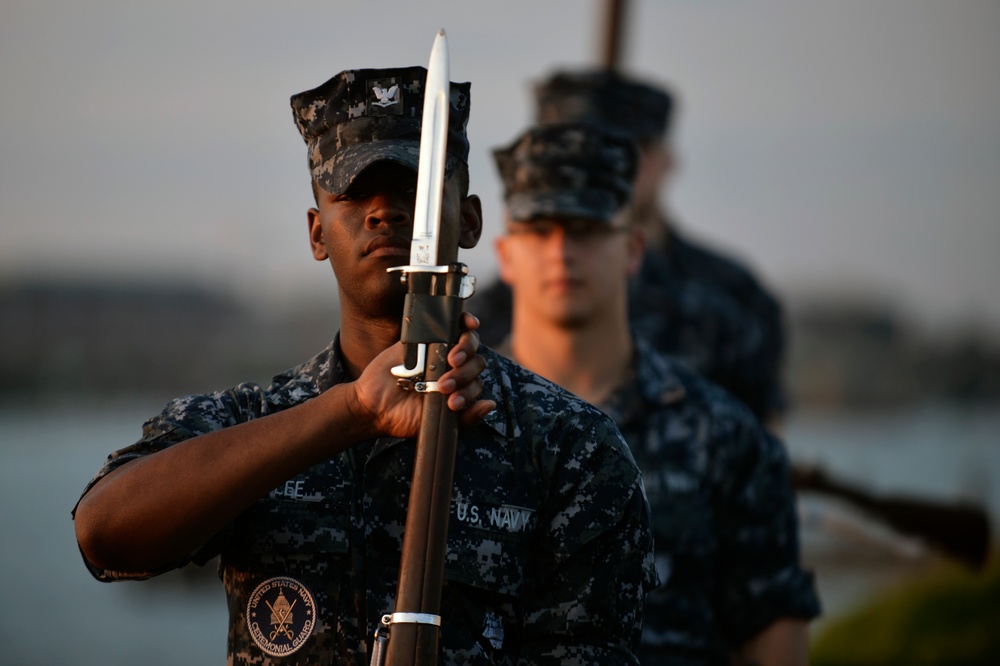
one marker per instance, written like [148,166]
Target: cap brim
[338,173]
[593,205]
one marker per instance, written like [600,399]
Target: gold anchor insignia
[281,615]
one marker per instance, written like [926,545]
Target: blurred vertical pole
[614,27]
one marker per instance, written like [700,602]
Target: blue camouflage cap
[363,116]
[607,98]
[572,170]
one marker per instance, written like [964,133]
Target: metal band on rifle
[411,618]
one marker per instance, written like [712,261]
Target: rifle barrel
[614,25]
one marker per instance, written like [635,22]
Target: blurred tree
[949,617]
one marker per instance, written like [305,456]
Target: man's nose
[392,211]
[560,244]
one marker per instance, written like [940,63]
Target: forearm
[160,508]
[785,642]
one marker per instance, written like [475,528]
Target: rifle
[960,530]
[614,25]
[431,326]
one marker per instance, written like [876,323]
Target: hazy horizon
[842,147]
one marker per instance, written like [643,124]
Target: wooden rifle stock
[962,531]
[425,538]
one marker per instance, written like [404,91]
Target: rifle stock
[425,537]
[960,530]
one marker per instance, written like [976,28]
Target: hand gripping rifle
[431,326]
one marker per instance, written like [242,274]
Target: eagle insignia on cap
[386,97]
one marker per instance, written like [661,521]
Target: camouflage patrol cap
[363,116]
[606,98]
[572,170]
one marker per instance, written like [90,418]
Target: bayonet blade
[430,167]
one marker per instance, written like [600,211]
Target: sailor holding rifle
[301,486]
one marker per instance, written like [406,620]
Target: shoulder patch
[281,615]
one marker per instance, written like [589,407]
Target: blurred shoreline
[113,338]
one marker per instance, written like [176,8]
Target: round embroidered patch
[281,615]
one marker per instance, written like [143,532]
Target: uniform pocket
[486,566]
[488,546]
[285,574]
[306,516]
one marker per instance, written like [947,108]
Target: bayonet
[433,154]
[431,325]
[427,214]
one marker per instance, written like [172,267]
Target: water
[53,612]
[948,452]
[945,453]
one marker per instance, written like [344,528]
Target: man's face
[368,229]
[569,270]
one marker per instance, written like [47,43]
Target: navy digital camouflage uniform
[549,548]
[574,170]
[724,519]
[725,525]
[688,300]
[710,310]
[363,116]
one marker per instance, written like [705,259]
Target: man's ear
[636,249]
[472,222]
[503,260]
[671,162]
[316,238]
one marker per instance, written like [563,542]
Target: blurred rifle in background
[614,22]
[961,531]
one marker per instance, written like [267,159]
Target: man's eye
[584,233]
[540,230]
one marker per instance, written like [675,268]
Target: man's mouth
[388,246]
[564,283]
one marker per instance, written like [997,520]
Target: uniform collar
[654,379]
[498,387]
[651,377]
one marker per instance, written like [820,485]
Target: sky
[848,146]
